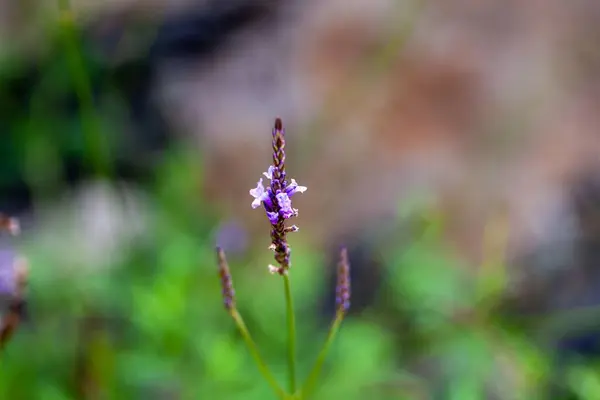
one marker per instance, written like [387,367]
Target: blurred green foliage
[158,325]
[154,326]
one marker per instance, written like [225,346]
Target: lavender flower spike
[277,200]
[226,281]
[342,290]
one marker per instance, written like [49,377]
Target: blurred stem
[16,307]
[94,144]
[309,385]
[291,324]
[262,366]
[492,275]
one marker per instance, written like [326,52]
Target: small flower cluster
[276,204]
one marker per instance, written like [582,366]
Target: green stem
[309,385]
[291,324]
[95,146]
[262,366]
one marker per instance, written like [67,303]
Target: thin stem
[262,366]
[309,385]
[291,324]
[95,146]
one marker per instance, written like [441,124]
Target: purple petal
[258,193]
[293,188]
[268,199]
[269,173]
[273,217]
[286,205]
[258,190]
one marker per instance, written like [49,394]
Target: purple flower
[293,187]
[285,205]
[283,200]
[259,193]
[8,259]
[273,217]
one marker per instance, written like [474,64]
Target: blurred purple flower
[232,237]
[8,259]
[342,289]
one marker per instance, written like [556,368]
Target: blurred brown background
[484,107]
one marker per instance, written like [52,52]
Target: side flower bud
[342,291]
[226,281]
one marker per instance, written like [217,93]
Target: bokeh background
[452,145]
